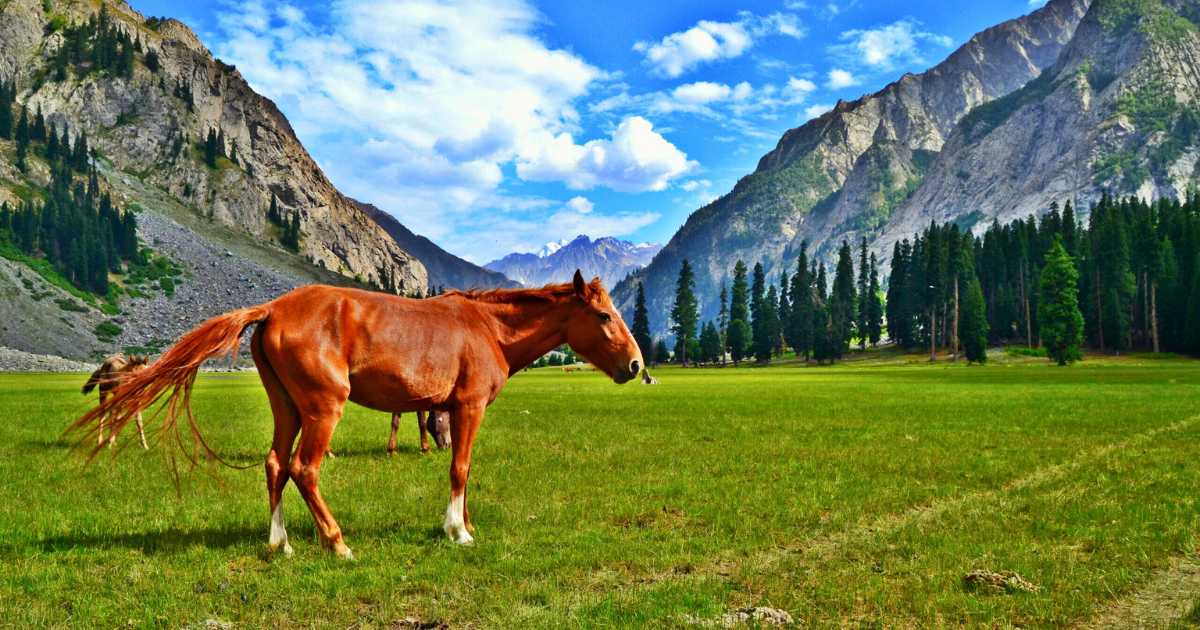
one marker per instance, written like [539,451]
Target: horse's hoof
[343,551]
[283,548]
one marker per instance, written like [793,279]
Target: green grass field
[852,495]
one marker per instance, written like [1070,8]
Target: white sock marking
[278,537]
[455,525]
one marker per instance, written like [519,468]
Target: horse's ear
[581,287]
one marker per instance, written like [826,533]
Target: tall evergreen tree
[842,303]
[723,321]
[784,314]
[874,307]
[798,328]
[739,314]
[862,320]
[6,112]
[22,139]
[710,343]
[764,343]
[211,152]
[1059,318]
[758,297]
[685,313]
[972,325]
[641,322]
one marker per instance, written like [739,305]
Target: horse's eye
[605,317]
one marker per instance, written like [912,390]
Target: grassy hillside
[858,494]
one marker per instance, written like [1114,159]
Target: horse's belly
[386,390]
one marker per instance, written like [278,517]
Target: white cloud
[695,184]
[881,47]
[710,41]
[582,205]
[701,92]
[815,111]
[422,106]
[839,79]
[635,159]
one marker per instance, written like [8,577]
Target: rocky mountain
[610,258]
[147,127]
[848,173]
[445,269]
[1119,111]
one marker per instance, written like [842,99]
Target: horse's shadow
[177,540]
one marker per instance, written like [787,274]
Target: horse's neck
[528,330]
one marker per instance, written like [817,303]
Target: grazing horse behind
[438,423]
[107,377]
[320,346]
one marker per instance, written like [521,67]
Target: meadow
[858,494]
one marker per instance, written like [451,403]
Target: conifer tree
[641,322]
[210,149]
[764,345]
[37,132]
[80,157]
[1059,318]
[798,327]
[6,112]
[22,139]
[723,321]
[874,307]
[710,343]
[784,314]
[973,325]
[739,312]
[842,307]
[862,321]
[758,296]
[684,313]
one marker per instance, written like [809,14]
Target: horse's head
[137,362]
[596,331]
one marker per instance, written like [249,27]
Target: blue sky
[494,126]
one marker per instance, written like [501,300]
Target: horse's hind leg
[306,471]
[287,426]
[392,437]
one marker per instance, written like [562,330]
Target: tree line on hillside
[74,226]
[31,131]
[761,320]
[1132,278]
[98,45]
[1126,279]
[77,229]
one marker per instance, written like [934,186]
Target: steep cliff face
[446,271]
[142,126]
[1118,111]
[844,174]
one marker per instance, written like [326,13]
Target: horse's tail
[93,381]
[173,374]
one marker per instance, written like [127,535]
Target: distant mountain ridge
[446,271]
[607,257]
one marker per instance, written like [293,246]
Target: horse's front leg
[421,426]
[464,423]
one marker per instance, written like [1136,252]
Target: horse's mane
[549,292]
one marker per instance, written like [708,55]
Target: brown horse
[438,424]
[108,376]
[320,346]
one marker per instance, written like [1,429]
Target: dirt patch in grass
[1165,598]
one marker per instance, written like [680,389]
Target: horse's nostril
[635,367]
